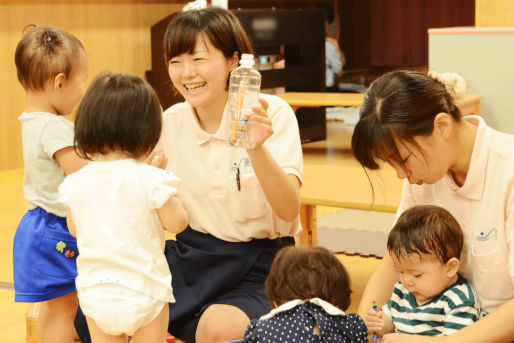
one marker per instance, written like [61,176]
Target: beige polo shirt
[207,166]
[484,207]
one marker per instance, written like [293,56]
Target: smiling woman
[243,204]
[200,77]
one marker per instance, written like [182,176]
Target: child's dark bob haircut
[118,112]
[305,273]
[399,104]
[221,27]
[426,229]
[44,52]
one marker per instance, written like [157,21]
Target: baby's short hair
[44,52]
[119,111]
[305,273]
[426,229]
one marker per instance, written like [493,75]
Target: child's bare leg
[60,316]
[156,330]
[41,320]
[98,336]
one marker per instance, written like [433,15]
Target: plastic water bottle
[31,321]
[245,84]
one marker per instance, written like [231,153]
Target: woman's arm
[281,189]
[380,286]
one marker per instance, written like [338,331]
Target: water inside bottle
[244,91]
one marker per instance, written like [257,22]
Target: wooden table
[345,187]
[470,104]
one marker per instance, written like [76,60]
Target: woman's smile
[194,86]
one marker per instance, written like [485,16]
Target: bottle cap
[246,60]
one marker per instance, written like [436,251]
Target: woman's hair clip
[453,82]
[48,39]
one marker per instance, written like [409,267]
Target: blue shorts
[44,257]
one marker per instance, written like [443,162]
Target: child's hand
[157,159]
[260,127]
[375,322]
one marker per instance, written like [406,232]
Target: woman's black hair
[398,105]
[220,26]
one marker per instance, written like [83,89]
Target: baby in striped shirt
[431,298]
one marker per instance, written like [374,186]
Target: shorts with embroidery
[44,257]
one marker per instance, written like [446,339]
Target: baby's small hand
[375,321]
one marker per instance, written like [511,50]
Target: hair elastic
[453,82]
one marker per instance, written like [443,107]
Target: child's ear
[452,266]
[59,81]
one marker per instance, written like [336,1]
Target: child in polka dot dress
[309,289]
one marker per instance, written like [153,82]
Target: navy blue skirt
[44,257]
[206,270]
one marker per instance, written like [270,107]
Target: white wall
[485,58]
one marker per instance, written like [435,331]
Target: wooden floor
[335,150]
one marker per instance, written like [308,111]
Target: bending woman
[243,204]
[411,122]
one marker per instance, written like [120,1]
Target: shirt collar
[473,187]
[202,136]
[328,307]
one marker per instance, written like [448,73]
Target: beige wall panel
[115,34]
[494,13]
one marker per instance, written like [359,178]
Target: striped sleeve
[459,318]
[462,308]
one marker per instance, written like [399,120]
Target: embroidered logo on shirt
[485,237]
[243,162]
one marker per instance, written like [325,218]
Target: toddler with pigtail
[52,67]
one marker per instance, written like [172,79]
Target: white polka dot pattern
[298,326]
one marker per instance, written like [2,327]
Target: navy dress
[304,322]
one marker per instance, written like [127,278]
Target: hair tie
[453,82]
